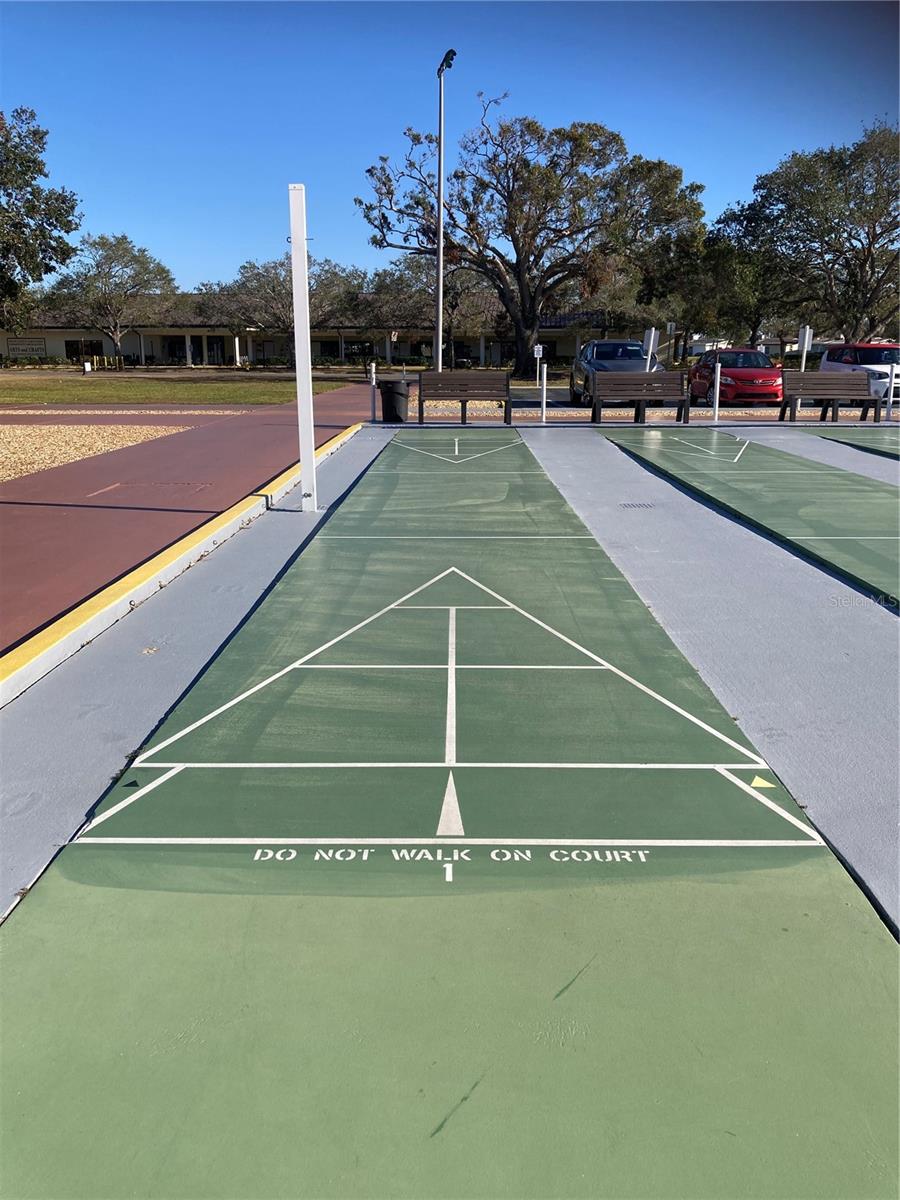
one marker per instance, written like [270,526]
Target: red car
[747,376]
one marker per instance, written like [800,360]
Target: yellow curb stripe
[67,625]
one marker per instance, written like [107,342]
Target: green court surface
[845,521]
[878,440]
[449,878]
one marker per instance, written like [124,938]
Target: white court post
[543,393]
[717,383]
[302,347]
[373,383]
[804,341]
[889,398]
[651,341]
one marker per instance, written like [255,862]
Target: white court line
[845,537]
[451,841]
[468,458]
[741,451]
[450,735]
[493,607]
[696,447]
[290,667]
[443,667]
[496,596]
[331,765]
[745,787]
[622,675]
[458,537]
[148,787]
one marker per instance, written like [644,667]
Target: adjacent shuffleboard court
[449,877]
[847,522]
[883,439]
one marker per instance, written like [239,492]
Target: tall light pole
[446,64]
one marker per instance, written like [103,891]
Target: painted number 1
[448,872]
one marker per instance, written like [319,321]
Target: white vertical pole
[237,350]
[302,348]
[439,296]
[537,372]
[892,375]
[543,393]
[717,383]
[373,383]
[187,350]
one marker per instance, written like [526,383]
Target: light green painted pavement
[878,440]
[604,1017]
[847,522]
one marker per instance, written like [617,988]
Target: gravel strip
[125,412]
[29,448]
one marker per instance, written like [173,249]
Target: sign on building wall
[26,347]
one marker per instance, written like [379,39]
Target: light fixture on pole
[446,64]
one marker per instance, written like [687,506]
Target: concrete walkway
[74,729]
[805,664]
[65,533]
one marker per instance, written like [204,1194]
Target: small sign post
[543,393]
[538,355]
[302,347]
[373,382]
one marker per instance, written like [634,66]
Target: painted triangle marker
[759,782]
[450,823]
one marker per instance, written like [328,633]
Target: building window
[78,348]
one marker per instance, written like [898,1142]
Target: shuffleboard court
[880,440]
[449,877]
[847,522]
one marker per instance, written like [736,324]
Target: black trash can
[394,400]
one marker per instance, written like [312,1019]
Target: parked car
[606,356]
[875,358]
[748,376]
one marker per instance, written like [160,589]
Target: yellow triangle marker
[759,782]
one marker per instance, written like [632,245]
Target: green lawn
[18,388]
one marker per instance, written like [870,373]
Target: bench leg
[835,411]
[683,412]
[824,412]
[876,408]
[596,412]
[462,405]
[421,407]
[640,412]
[507,411]
[788,407]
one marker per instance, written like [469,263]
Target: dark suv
[606,356]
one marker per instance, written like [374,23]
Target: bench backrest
[826,385]
[653,386]
[464,385]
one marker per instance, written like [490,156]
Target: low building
[196,345]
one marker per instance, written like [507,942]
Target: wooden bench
[464,387]
[828,390]
[634,388]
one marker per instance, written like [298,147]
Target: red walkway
[68,532]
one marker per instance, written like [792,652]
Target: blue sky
[181,124]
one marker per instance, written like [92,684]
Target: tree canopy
[531,210]
[34,219]
[113,286]
[833,218]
